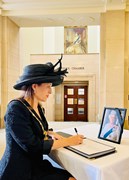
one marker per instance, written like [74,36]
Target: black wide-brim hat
[41,73]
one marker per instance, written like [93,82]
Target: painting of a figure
[111,128]
[75,41]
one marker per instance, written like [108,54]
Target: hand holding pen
[75,139]
[77,132]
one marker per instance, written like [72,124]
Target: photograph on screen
[112,124]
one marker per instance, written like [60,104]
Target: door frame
[89,80]
[85,86]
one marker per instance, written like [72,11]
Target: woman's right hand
[75,140]
[70,141]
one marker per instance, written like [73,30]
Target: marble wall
[114,60]
[9,62]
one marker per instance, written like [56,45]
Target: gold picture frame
[75,40]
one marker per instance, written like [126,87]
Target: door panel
[75,103]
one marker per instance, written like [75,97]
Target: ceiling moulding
[55,4]
[116,7]
[52,11]
[35,4]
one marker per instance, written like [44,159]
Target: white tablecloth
[111,167]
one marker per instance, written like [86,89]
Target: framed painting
[111,128]
[75,40]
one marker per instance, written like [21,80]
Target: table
[114,166]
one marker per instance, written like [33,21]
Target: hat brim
[55,80]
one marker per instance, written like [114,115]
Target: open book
[90,148]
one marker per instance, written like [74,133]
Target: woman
[27,134]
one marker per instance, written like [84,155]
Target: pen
[76,130]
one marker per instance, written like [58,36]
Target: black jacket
[25,144]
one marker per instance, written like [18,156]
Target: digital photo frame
[111,127]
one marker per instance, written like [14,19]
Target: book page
[91,147]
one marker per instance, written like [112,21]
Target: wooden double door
[75,103]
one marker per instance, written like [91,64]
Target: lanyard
[29,108]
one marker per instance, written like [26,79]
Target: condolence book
[90,148]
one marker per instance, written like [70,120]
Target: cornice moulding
[36,12]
